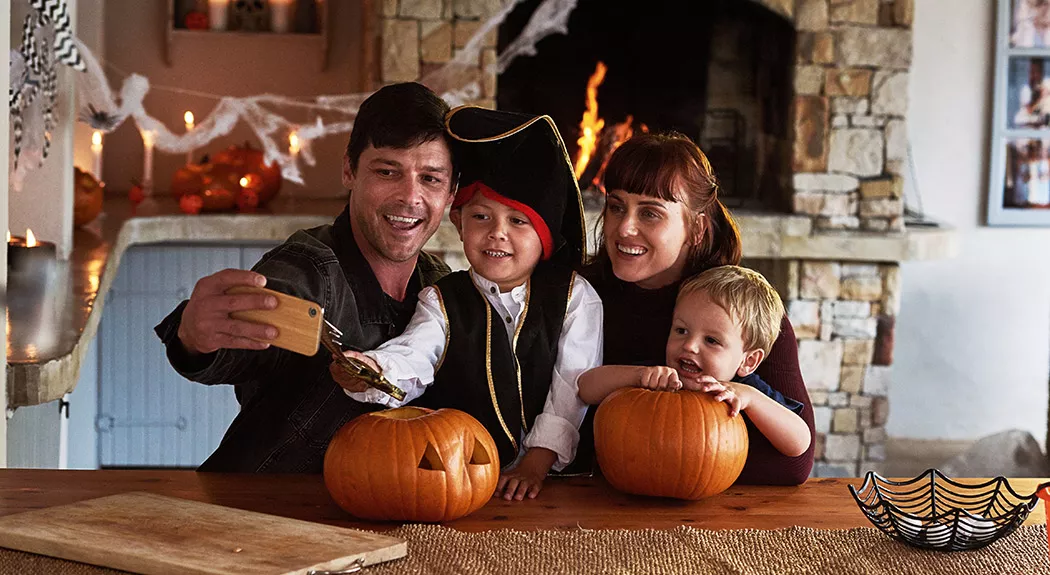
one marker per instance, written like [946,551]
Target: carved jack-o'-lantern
[412,464]
[188,179]
[252,161]
[670,444]
[221,184]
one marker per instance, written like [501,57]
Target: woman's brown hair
[671,167]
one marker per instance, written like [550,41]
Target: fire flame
[30,238]
[591,125]
[612,139]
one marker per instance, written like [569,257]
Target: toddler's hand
[344,379]
[660,378]
[725,392]
[519,482]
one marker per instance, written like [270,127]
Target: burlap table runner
[798,550]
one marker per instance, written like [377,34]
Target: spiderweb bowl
[932,511]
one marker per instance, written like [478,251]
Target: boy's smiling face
[706,340]
[499,242]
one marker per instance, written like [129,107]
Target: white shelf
[244,40]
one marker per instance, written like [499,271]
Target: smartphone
[298,321]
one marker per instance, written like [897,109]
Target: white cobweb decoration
[458,82]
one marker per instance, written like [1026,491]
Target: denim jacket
[290,406]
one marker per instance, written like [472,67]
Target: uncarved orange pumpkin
[412,464]
[87,197]
[668,444]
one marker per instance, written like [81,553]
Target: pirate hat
[520,161]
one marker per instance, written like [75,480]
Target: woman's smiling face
[647,238]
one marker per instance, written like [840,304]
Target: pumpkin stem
[431,460]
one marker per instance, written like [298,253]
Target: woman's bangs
[645,170]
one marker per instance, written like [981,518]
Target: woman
[662,224]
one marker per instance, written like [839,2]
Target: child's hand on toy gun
[659,378]
[726,392]
[347,380]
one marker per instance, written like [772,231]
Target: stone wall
[843,314]
[419,36]
[849,150]
[851,88]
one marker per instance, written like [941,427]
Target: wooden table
[564,503]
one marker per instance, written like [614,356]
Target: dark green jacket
[290,406]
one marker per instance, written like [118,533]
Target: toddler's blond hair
[747,297]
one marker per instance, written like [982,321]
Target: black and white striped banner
[49,75]
[28,48]
[54,12]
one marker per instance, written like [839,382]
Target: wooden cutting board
[158,535]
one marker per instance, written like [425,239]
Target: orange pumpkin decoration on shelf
[221,184]
[668,444]
[249,160]
[191,204]
[87,197]
[412,464]
[188,179]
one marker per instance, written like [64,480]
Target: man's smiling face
[398,197]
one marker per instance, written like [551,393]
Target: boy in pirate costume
[506,340]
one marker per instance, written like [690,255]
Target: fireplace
[718,71]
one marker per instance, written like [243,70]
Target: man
[365,269]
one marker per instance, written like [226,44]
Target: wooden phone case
[298,321]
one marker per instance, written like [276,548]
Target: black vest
[503,386]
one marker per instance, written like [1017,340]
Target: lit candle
[217,11]
[188,118]
[26,253]
[294,145]
[96,154]
[280,15]
[147,161]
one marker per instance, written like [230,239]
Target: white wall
[5,40]
[45,202]
[973,335]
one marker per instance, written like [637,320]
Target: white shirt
[410,359]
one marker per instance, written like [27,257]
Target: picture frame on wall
[1019,175]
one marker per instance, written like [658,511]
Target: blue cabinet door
[148,415]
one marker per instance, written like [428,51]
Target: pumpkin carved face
[668,444]
[250,160]
[412,464]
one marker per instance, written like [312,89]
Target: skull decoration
[249,15]
[412,464]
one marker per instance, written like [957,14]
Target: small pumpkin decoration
[188,179]
[412,464]
[87,197]
[250,160]
[678,444]
[191,204]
